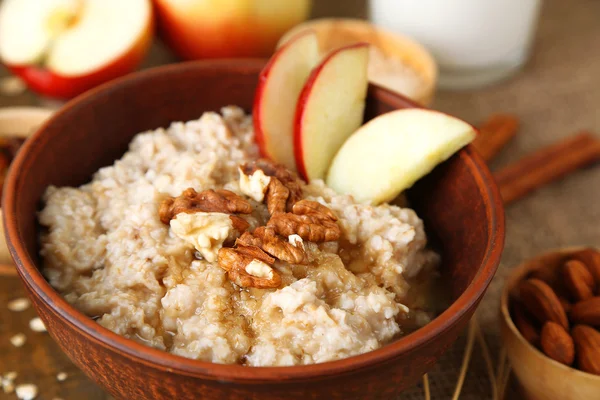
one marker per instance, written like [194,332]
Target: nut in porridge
[255,184]
[202,218]
[310,220]
[277,196]
[249,266]
[223,201]
[205,231]
[266,238]
[284,175]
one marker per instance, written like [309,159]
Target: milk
[474,41]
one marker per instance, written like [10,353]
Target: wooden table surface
[552,100]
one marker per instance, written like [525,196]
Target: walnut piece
[309,207]
[266,239]
[310,220]
[249,266]
[190,201]
[254,185]
[277,196]
[205,231]
[285,176]
[240,225]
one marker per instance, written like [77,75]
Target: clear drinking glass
[475,42]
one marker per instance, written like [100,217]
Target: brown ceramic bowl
[459,202]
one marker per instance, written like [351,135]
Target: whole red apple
[198,29]
[62,48]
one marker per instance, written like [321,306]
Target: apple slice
[279,86]
[391,152]
[330,108]
[61,48]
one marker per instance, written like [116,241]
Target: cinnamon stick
[494,134]
[547,165]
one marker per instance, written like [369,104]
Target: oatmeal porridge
[191,244]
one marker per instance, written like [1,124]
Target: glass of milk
[475,42]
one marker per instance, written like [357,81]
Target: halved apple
[391,152]
[62,48]
[330,108]
[279,86]
[197,29]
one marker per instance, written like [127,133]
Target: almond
[525,325]
[587,312]
[541,301]
[587,343]
[591,259]
[557,344]
[550,274]
[578,280]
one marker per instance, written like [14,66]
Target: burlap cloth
[556,94]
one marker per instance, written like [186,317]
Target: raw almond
[541,301]
[587,343]
[591,259]
[525,325]
[557,344]
[578,280]
[550,274]
[587,312]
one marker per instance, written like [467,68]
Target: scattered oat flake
[37,325]
[10,376]
[12,86]
[7,382]
[18,340]
[62,376]
[20,304]
[27,391]
[8,386]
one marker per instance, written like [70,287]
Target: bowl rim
[517,274]
[168,362]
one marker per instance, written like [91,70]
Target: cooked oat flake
[7,382]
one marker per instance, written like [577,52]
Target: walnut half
[310,220]
[190,201]
[206,219]
[249,266]
[286,177]
[265,238]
